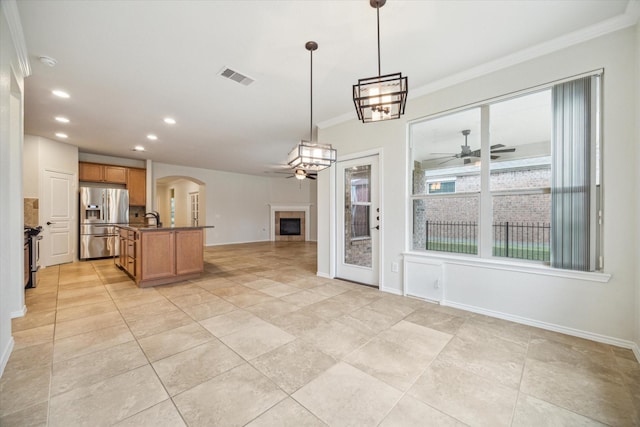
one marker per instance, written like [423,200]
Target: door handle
[49,222]
[377,227]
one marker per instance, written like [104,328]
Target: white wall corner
[10,9]
[6,352]
[19,313]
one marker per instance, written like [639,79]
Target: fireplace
[289,226]
[289,223]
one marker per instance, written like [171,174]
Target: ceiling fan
[300,174]
[467,153]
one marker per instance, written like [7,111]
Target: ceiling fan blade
[493,147]
[504,150]
[495,157]
[444,157]
[467,161]
[311,176]
[450,154]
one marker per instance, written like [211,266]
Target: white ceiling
[129,64]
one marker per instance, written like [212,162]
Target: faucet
[155,215]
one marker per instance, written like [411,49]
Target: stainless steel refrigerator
[100,210]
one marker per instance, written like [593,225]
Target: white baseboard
[235,243]
[548,326]
[325,275]
[19,313]
[6,353]
[391,290]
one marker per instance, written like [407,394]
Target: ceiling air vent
[236,76]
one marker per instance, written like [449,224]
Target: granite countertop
[146,227]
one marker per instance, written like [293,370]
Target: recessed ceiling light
[138,148]
[60,93]
[62,119]
[152,137]
[62,135]
[169,121]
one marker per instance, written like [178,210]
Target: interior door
[57,239]
[358,220]
[194,208]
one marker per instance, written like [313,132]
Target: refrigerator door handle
[102,208]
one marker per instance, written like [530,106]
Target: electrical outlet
[394,267]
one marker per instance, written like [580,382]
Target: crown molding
[628,19]
[10,10]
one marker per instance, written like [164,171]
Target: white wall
[597,309]
[637,215]
[13,69]
[237,204]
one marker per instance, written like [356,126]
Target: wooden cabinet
[127,259]
[95,172]
[189,256]
[160,256]
[137,186]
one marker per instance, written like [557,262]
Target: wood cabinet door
[137,186]
[189,251]
[115,174]
[158,255]
[91,172]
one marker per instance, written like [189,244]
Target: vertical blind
[572,187]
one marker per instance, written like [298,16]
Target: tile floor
[259,340]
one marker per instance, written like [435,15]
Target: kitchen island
[154,255]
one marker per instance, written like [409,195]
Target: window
[515,177]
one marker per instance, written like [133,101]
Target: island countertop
[163,227]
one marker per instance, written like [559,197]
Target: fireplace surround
[300,212]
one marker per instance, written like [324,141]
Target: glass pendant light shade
[312,156]
[380,98]
[383,97]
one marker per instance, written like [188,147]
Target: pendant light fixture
[310,155]
[382,97]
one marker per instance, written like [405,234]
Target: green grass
[537,254]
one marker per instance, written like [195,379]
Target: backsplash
[31,212]
[136,210]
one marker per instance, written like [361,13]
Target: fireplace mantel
[297,207]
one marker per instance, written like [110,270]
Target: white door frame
[333,236]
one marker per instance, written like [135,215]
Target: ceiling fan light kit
[383,97]
[310,155]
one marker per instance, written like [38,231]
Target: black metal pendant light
[310,155]
[382,97]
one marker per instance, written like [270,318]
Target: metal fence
[510,239]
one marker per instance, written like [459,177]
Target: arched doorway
[181,200]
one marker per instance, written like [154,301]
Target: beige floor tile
[152,297]
[65,294]
[532,412]
[270,309]
[81,311]
[335,338]
[293,365]
[129,291]
[178,289]
[303,298]
[212,284]
[410,412]
[329,290]
[209,309]
[256,340]
[191,367]
[436,320]
[579,391]
[164,414]
[327,309]
[492,358]
[279,290]
[298,323]
[20,389]
[87,324]
[230,399]
[231,322]
[262,283]
[145,326]
[33,416]
[346,396]
[29,357]
[247,299]
[415,338]
[486,326]
[94,367]
[89,342]
[193,298]
[173,341]
[33,336]
[287,413]
[465,396]
[105,403]
[33,320]
[137,312]
[369,321]
[395,306]
[235,289]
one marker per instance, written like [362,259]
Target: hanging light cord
[311,98]
[378,15]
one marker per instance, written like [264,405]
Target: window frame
[485,240]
